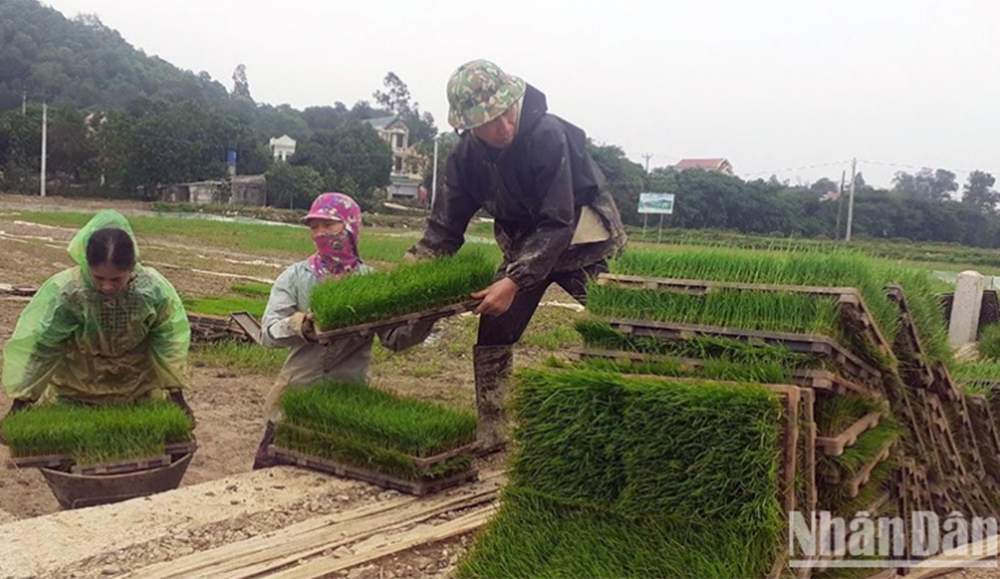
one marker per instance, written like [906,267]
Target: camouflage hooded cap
[479,92]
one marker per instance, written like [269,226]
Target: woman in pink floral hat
[334,223]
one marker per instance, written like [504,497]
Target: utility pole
[45,142]
[840,204]
[647,157]
[850,203]
[24,103]
[434,172]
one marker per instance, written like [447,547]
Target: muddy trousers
[493,355]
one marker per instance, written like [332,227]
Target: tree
[979,192]
[936,185]
[943,185]
[291,186]
[396,100]
[625,178]
[351,151]
[241,86]
[824,186]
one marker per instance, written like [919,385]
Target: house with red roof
[714,165]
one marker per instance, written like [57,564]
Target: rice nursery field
[95,434]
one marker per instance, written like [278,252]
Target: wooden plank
[802,343]
[263,554]
[362,330]
[834,446]
[326,566]
[418,488]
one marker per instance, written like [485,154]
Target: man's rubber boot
[262,459]
[493,368]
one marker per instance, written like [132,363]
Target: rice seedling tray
[852,304]
[417,488]
[834,446]
[985,426]
[363,330]
[800,343]
[207,328]
[67,462]
[908,341]
[820,380]
[854,483]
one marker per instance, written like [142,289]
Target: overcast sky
[773,85]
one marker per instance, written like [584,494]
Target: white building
[282,147]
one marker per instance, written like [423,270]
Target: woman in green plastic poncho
[106,331]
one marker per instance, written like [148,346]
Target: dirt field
[228,401]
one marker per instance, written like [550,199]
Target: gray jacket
[346,360]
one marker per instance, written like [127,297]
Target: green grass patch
[223,306]
[407,288]
[557,338]
[248,358]
[989,343]
[376,244]
[356,411]
[253,290]
[94,434]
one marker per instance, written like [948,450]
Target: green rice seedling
[834,497]
[726,368]
[765,311]
[536,536]
[863,452]
[223,306]
[701,451]
[565,434]
[241,356]
[412,427]
[825,269]
[347,448]
[93,434]
[978,371]
[407,288]
[835,414]
[253,290]
[600,335]
[989,343]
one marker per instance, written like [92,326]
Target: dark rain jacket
[534,189]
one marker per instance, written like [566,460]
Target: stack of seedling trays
[362,305]
[91,455]
[890,435]
[356,431]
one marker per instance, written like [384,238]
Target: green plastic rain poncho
[72,342]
